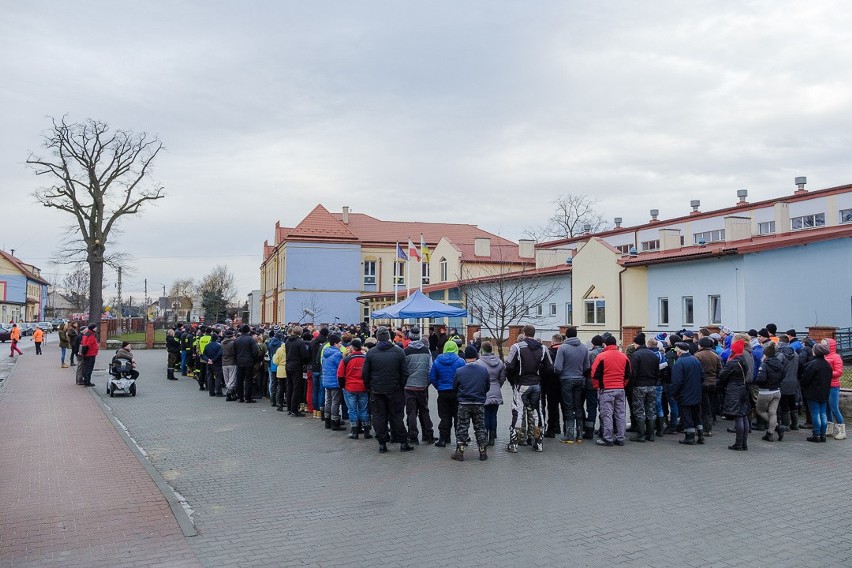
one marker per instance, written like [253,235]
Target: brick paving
[270,490]
[72,492]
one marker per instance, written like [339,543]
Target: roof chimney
[654,214]
[345,214]
[482,246]
[742,194]
[526,248]
[800,184]
[695,204]
[587,229]
[618,222]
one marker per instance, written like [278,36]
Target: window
[553,309]
[807,221]
[767,228]
[846,215]
[715,308]
[709,236]
[366,312]
[569,314]
[444,274]
[648,246]
[596,311]
[538,310]
[400,273]
[688,312]
[624,249]
[664,311]
[369,272]
[424,272]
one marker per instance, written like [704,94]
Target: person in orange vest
[15,337]
[38,337]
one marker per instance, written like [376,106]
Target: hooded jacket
[419,364]
[443,372]
[90,343]
[835,361]
[611,369]
[298,353]
[471,383]
[272,348]
[229,356]
[816,380]
[645,367]
[349,372]
[711,363]
[385,368]
[790,365]
[770,374]
[496,377]
[572,360]
[528,359]
[332,355]
[687,376]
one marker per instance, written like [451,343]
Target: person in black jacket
[173,350]
[645,368]
[317,392]
[769,377]
[385,373]
[816,385]
[687,376]
[186,339]
[298,355]
[247,354]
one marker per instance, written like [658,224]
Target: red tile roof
[734,210]
[750,245]
[23,267]
[321,225]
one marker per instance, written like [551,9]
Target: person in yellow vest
[15,337]
[38,338]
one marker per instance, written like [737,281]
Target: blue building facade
[324,278]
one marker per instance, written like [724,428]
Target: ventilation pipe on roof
[587,229]
[742,194]
[345,214]
[695,204]
[618,222]
[800,184]
[654,214]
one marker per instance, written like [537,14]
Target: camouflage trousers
[468,413]
[645,403]
[527,419]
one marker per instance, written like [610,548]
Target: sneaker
[441,444]
[537,446]
[512,448]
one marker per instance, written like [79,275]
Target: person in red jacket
[834,416]
[610,373]
[89,351]
[357,397]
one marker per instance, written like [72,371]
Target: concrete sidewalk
[72,492]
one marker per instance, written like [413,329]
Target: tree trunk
[96,280]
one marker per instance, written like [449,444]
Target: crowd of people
[377,380]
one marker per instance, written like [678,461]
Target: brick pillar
[514,332]
[818,333]
[104,333]
[149,335]
[628,332]
[471,329]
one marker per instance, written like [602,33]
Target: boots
[689,439]
[794,420]
[383,448]
[829,431]
[767,437]
[458,455]
[353,433]
[661,422]
[840,432]
[492,437]
[367,434]
[441,443]
[640,432]
[588,430]
[336,427]
[428,439]
[483,453]
[568,429]
[649,430]
[170,374]
[671,428]
[328,423]
[404,447]
[634,424]
[780,431]
[700,437]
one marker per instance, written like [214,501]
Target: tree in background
[571,214]
[75,286]
[98,176]
[180,298]
[217,291]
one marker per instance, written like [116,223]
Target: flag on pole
[400,253]
[425,255]
[412,251]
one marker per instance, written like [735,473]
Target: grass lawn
[139,336]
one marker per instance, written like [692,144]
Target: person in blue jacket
[441,375]
[687,377]
[332,355]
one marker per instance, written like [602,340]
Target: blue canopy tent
[418,305]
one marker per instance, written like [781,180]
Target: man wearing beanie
[528,359]
[687,376]
[711,364]
[572,365]
[89,350]
[385,373]
[645,376]
[791,363]
[416,393]
[610,373]
[441,375]
[471,386]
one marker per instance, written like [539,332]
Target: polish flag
[412,250]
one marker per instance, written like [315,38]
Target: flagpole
[395,258]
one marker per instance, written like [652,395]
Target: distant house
[23,292]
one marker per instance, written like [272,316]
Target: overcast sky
[475,112]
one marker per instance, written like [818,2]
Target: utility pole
[147,301]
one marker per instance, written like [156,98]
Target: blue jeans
[272,380]
[674,413]
[591,408]
[62,351]
[358,403]
[491,417]
[660,401]
[183,362]
[834,406]
[818,417]
[317,392]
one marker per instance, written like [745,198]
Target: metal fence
[844,343]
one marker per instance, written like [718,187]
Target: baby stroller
[122,378]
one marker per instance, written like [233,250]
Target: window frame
[425,273]
[650,246]
[683,303]
[769,225]
[399,273]
[711,236]
[660,302]
[444,268]
[597,304]
[710,311]
[848,213]
[812,217]
[365,275]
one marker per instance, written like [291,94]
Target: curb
[176,502]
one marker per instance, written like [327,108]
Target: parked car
[27,328]
[5,333]
[45,326]
[56,323]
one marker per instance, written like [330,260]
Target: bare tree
[180,297]
[217,291]
[571,214]
[75,286]
[313,307]
[507,297]
[98,176]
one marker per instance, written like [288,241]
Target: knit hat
[382,334]
[324,332]
[93,326]
[639,339]
[674,338]
[772,328]
[688,333]
[451,347]
[661,336]
[725,329]
[706,343]
[610,340]
[356,343]
[790,332]
[763,333]
[597,341]
[414,333]
[737,348]
[229,333]
[717,337]
[820,350]
[470,352]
